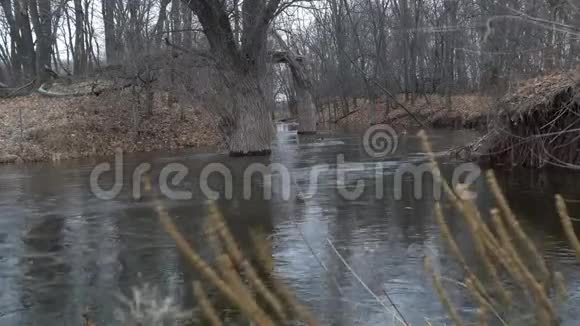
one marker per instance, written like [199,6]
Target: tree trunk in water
[293,106]
[306,110]
[304,100]
[253,130]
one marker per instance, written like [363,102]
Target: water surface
[63,251]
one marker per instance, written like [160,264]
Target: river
[63,251]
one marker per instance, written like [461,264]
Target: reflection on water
[63,251]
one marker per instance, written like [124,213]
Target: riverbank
[465,112]
[61,243]
[36,128]
[537,124]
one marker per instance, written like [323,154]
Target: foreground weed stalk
[242,263]
[567,224]
[207,308]
[247,307]
[497,247]
[513,223]
[499,252]
[235,278]
[443,296]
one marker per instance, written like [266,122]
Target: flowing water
[63,251]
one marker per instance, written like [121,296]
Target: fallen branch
[345,116]
[285,57]
[396,314]
[17,90]
[200,53]
[93,92]
[43,91]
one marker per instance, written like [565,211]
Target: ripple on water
[62,249]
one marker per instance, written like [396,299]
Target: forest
[316,59]
[200,162]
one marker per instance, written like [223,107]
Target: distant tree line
[224,51]
[436,46]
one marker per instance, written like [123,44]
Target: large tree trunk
[40,14]
[111,49]
[302,101]
[161,21]
[80,53]
[252,131]
[28,54]
[307,118]
[176,22]
[186,26]
[251,121]
[306,111]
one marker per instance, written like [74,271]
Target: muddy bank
[466,111]
[37,128]
[537,125]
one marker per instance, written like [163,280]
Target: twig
[13,93]
[301,196]
[206,306]
[196,52]
[513,223]
[379,300]
[21,127]
[249,308]
[567,224]
[241,262]
[345,116]
[442,293]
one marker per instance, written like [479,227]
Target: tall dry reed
[511,260]
[501,246]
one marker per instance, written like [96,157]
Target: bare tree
[242,66]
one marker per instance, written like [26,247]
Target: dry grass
[513,268]
[36,128]
[467,111]
[537,124]
[236,279]
[505,250]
